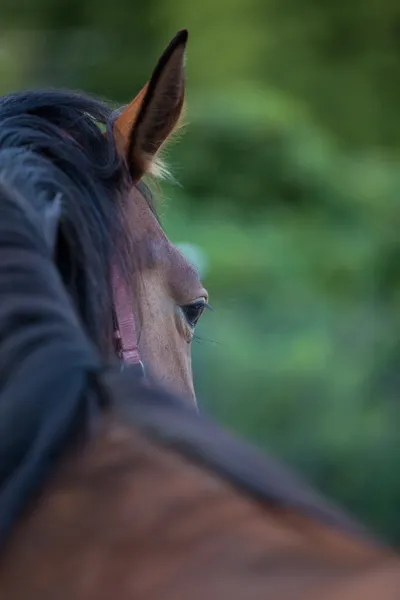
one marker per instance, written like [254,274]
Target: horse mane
[52,145]
[170,423]
[67,130]
[46,360]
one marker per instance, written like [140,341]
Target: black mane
[65,175]
[172,424]
[66,129]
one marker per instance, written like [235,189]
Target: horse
[111,486]
[109,229]
[146,498]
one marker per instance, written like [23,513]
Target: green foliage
[301,354]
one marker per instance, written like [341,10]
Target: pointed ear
[148,121]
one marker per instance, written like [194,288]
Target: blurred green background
[289,183]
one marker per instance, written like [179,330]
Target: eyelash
[193,312]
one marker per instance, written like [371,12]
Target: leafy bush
[301,354]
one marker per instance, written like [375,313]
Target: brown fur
[167,280]
[124,518]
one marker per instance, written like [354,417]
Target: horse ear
[149,120]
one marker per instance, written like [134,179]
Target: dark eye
[194,311]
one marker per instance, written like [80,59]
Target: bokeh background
[288,185]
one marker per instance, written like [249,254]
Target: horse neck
[124,516]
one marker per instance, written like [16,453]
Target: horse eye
[193,312]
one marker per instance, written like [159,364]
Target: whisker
[199,338]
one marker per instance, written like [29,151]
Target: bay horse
[109,486]
[108,228]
